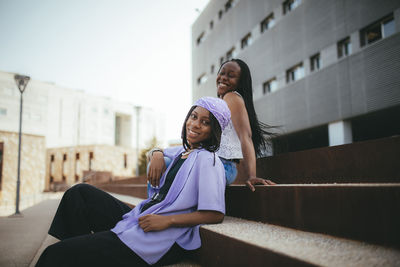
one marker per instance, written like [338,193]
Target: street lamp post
[22,82]
[137,108]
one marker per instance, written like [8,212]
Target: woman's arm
[154,222]
[156,167]
[241,123]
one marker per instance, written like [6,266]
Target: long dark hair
[260,131]
[212,143]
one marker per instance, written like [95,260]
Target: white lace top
[230,147]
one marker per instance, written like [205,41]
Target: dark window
[267,23]
[90,160]
[1,163]
[64,157]
[220,14]
[377,30]
[211,25]
[289,5]
[246,41]
[228,5]
[200,39]
[303,140]
[270,86]
[344,47]
[295,73]
[77,156]
[230,54]
[202,79]
[51,158]
[212,69]
[125,161]
[315,62]
[76,177]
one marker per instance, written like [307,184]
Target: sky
[135,51]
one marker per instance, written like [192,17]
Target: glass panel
[388,28]
[373,34]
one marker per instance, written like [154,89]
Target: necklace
[187,152]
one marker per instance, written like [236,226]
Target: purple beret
[217,107]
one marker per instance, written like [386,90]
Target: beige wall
[105,158]
[32,174]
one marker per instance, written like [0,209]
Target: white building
[68,117]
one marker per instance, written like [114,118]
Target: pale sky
[137,51]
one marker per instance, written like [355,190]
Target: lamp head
[21,81]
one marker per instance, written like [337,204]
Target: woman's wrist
[154,150]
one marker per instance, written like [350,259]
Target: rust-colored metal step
[367,212]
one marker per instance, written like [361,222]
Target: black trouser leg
[85,209]
[99,249]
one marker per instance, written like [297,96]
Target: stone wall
[32,173]
[66,165]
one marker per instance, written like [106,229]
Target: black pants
[82,222]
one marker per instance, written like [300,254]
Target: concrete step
[240,242]
[367,212]
[135,190]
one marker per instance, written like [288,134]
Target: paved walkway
[21,237]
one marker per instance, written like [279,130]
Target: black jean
[82,222]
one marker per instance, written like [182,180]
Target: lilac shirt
[198,185]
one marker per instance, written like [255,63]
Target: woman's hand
[153,222]
[156,168]
[255,180]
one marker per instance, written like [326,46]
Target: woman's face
[198,127]
[228,78]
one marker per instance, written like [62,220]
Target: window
[202,79]
[90,160]
[246,41]
[230,54]
[211,25]
[270,86]
[212,69]
[378,30]
[315,62]
[295,73]
[3,112]
[221,60]
[200,39]
[289,5]
[220,14]
[228,5]
[51,158]
[267,23]
[125,161]
[77,156]
[64,178]
[344,47]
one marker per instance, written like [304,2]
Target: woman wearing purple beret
[96,229]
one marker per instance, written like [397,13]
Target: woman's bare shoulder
[234,100]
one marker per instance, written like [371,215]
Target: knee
[50,255]
[80,188]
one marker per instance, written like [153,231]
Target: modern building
[327,72]
[66,132]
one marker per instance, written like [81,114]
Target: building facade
[327,72]
[81,132]
[32,170]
